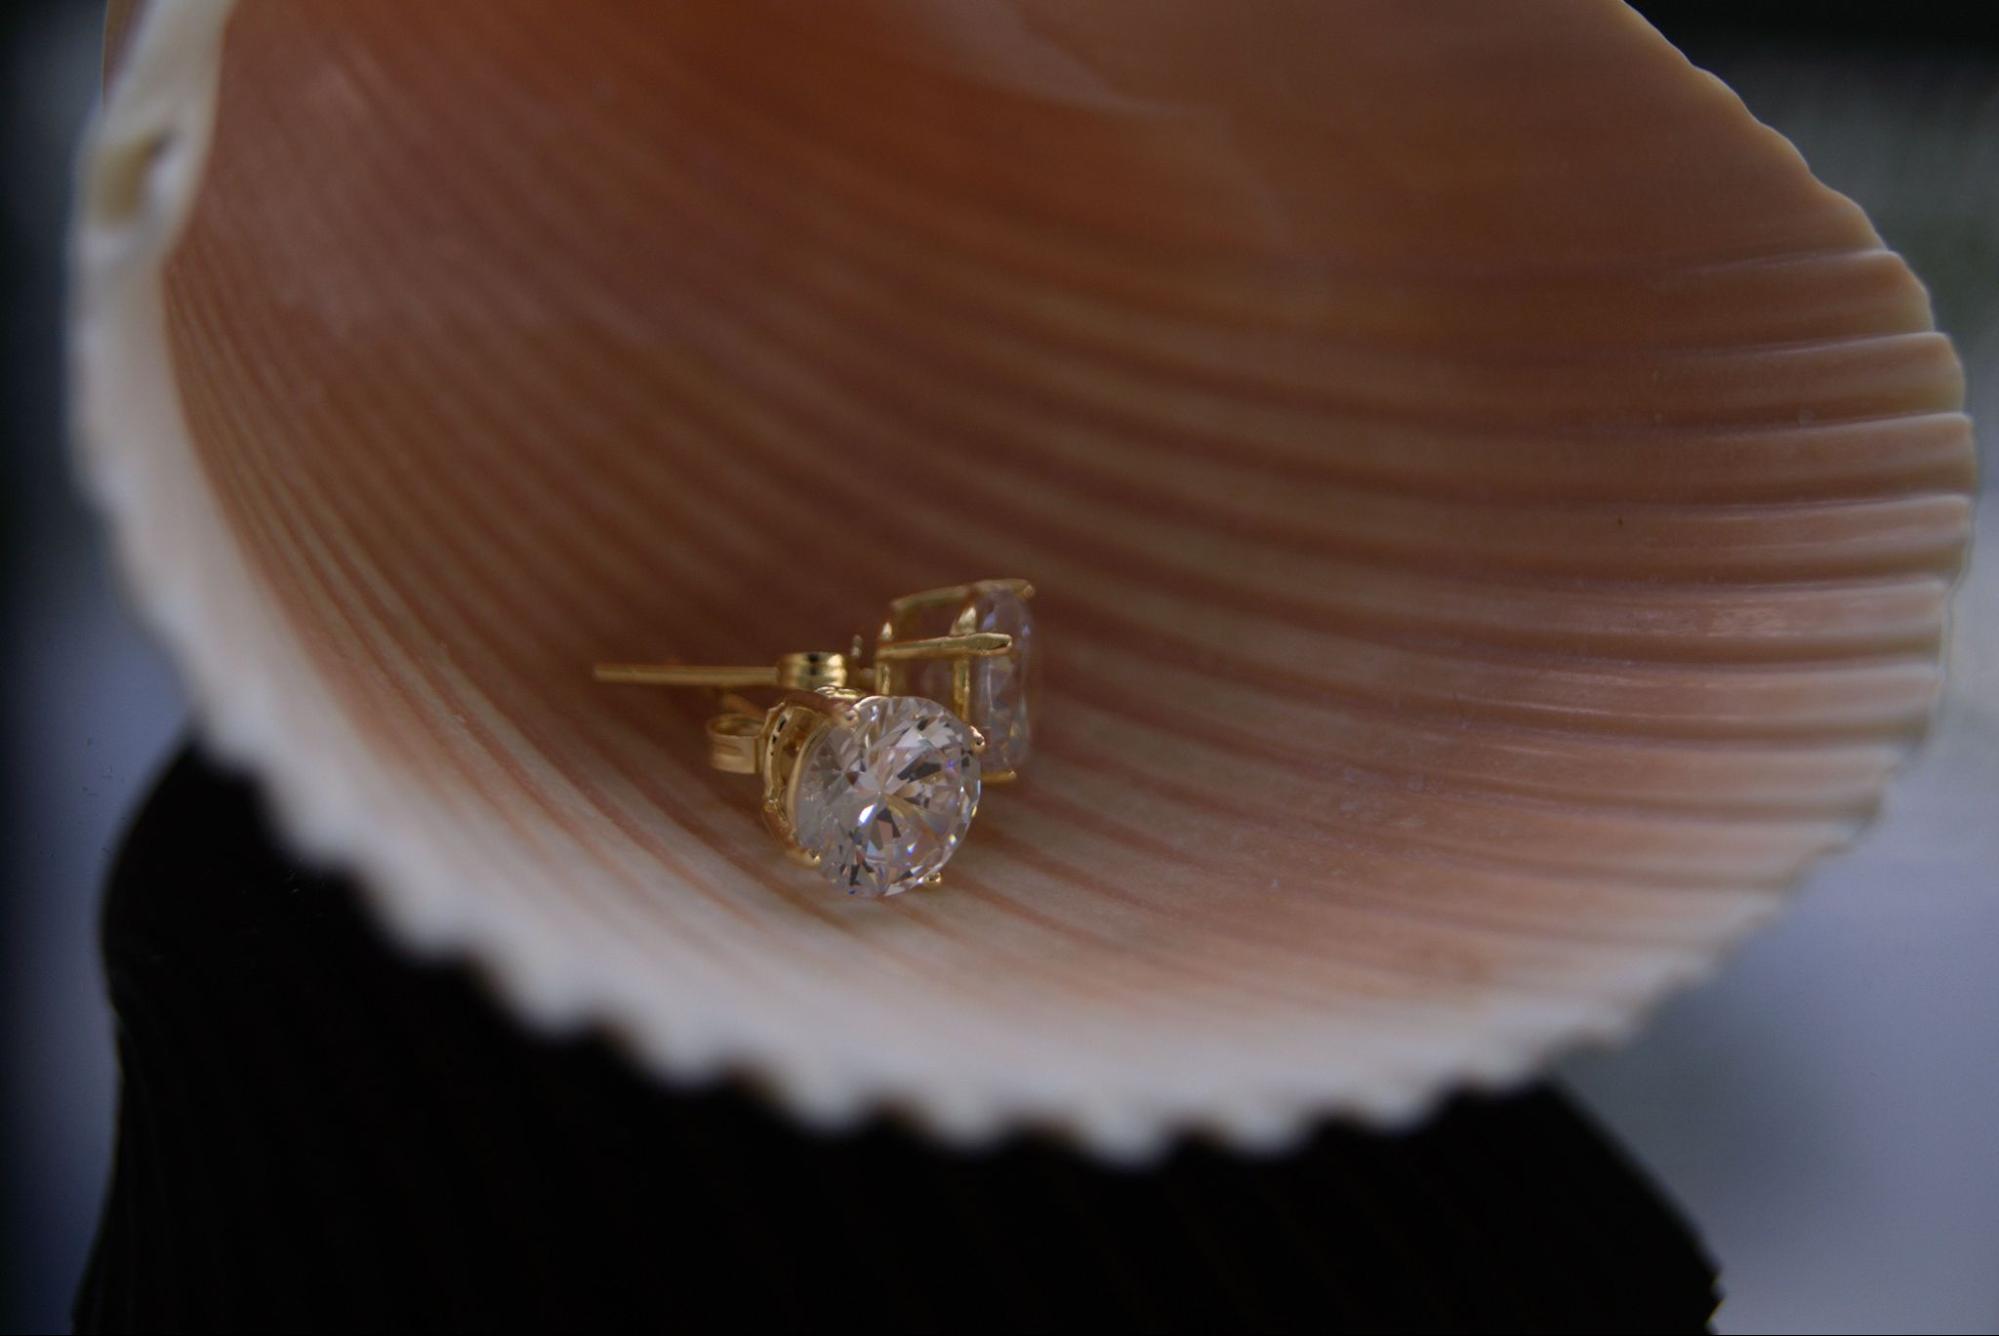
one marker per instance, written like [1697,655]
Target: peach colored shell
[1493,512]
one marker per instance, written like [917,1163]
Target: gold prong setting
[963,646]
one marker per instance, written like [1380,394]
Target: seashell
[1493,512]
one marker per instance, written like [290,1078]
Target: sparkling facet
[1000,697]
[885,800]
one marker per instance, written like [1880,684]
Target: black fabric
[318,1134]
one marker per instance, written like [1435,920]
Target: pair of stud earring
[877,788]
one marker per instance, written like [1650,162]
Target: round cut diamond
[999,704]
[885,800]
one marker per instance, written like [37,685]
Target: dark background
[1823,1111]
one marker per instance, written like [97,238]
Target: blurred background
[1823,1110]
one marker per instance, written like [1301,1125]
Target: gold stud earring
[876,790]
[994,692]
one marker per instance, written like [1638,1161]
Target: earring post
[971,645]
[803,670]
[685,675]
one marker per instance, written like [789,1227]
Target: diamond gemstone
[999,705]
[885,800]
